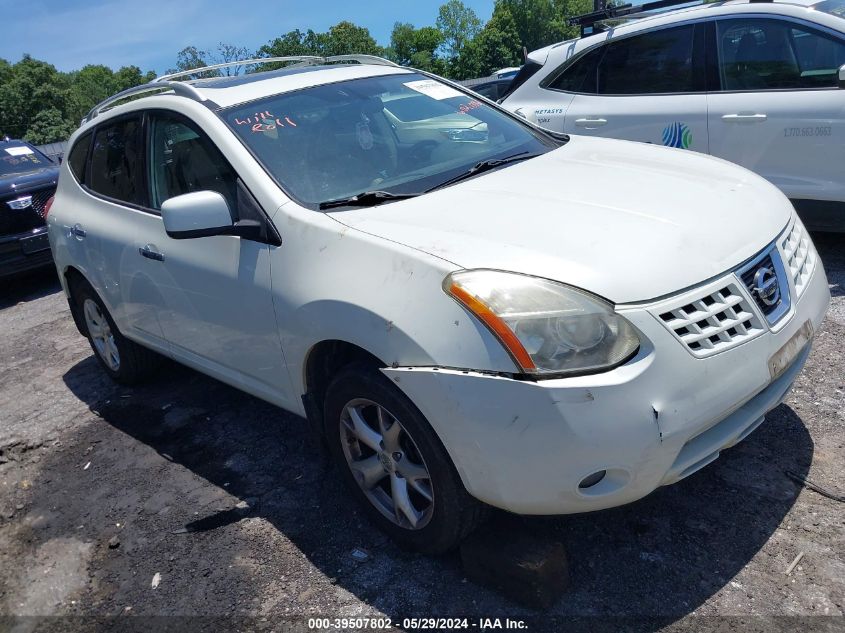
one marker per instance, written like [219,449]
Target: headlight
[547,327]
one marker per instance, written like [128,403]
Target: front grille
[748,279]
[799,255]
[714,321]
[40,198]
[14,221]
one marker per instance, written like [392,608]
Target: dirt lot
[223,500]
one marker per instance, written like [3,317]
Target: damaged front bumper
[525,446]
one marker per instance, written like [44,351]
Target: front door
[218,313]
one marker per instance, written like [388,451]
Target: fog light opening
[591,480]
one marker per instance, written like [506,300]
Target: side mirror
[203,214]
[842,76]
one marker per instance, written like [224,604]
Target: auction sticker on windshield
[433,89]
[18,151]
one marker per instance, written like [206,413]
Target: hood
[627,221]
[24,181]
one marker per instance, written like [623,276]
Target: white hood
[627,221]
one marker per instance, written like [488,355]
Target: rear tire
[123,360]
[401,474]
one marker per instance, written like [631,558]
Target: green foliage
[49,126]
[543,22]
[416,48]
[42,105]
[344,38]
[496,46]
[459,24]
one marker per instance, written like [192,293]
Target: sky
[149,33]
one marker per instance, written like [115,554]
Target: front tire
[123,360]
[395,463]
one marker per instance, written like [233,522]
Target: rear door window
[581,75]
[771,54]
[116,169]
[657,62]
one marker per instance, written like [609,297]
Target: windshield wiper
[485,165]
[366,199]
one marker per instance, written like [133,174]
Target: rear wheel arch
[73,279]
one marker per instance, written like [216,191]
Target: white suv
[757,83]
[465,307]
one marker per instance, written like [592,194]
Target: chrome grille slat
[711,321]
[799,255]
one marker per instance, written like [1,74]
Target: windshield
[398,133]
[19,159]
[834,7]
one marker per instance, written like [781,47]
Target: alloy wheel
[386,464]
[101,334]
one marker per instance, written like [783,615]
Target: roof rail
[185,89]
[304,59]
[179,87]
[625,11]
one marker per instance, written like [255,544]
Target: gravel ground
[185,497]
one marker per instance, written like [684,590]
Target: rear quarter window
[78,157]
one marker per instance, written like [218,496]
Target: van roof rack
[625,11]
[165,83]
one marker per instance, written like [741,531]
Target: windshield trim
[558,139]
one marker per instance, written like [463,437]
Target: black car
[27,182]
[494,89]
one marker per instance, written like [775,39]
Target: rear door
[647,87]
[110,224]
[779,111]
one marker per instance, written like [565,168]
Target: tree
[43,105]
[345,38]
[496,46]
[49,126]
[88,86]
[129,76]
[189,58]
[414,47]
[227,53]
[32,87]
[459,24]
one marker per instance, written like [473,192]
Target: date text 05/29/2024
[417,624]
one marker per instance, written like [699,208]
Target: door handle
[590,123]
[744,118]
[149,252]
[78,232]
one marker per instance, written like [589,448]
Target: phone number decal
[824,130]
